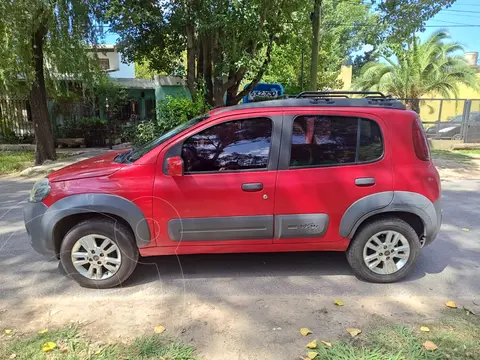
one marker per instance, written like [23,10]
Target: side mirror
[175,166]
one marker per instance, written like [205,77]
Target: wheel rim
[96,257]
[386,252]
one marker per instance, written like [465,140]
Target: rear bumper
[436,221]
[33,216]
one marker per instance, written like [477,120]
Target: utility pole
[315,17]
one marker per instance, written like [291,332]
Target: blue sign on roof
[263,91]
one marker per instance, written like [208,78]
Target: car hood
[102,165]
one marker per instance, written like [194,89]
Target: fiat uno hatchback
[322,171]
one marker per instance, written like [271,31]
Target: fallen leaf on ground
[312,344]
[44,331]
[312,355]
[451,304]
[424,329]
[305,331]
[466,229]
[159,329]
[430,346]
[353,331]
[8,331]
[13,356]
[49,346]
[326,343]
[338,302]
[468,310]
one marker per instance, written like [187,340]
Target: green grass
[72,346]
[457,337]
[463,156]
[15,161]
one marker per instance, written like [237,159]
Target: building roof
[134,83]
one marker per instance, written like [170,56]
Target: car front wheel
[384,250]
[99,253]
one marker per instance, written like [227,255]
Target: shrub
[175,111]
[93,130]
[171,112]
[145,132]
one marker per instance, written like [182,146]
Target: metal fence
[450,119]
[16,124]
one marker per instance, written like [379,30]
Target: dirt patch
[453,165]
[227,328]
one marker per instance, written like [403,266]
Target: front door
[332,160]
[226,195]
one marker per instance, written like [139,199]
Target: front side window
[230,146]
[334,140]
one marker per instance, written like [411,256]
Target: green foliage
[418,69]
[93,130]
[68,27]
[346,27]
[174,111]
[145,132]
[171,112]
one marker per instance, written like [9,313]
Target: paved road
[450,266]
[239,306]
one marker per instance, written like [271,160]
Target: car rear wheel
[99,253]
[384,250]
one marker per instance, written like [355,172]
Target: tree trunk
[315,44]
[45,144]
[207,69]
[235,99]
[191,60]
[414,104]
[218,90]
[199,58]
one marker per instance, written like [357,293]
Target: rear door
[329,160]
[226,195]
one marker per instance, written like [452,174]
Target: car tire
[359,252]
[124,253]
[457,137]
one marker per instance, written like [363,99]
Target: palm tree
[418,69]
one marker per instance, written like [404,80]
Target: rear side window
[334,140]
[230,146]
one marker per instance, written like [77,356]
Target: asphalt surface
[449,267]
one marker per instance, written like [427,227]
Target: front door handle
[365,181]
[250,187]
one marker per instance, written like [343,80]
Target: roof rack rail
[342,94]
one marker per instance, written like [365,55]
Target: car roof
[322,99]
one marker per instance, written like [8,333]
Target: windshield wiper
[123,156]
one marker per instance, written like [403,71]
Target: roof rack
[342,94]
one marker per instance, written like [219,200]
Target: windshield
[138,152]
[458,118]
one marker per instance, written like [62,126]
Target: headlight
[39,191]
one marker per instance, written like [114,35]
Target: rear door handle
[250,187]
[365,181]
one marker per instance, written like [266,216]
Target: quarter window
[230,146]
[334,140]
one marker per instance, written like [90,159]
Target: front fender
[102,204]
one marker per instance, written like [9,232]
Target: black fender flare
[99,203]
[391,201]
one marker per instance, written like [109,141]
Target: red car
[318,172]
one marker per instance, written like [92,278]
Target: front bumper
[33,216]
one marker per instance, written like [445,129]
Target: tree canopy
[44,41]
[420,68]
[230,42]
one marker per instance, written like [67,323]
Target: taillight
[420,142]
